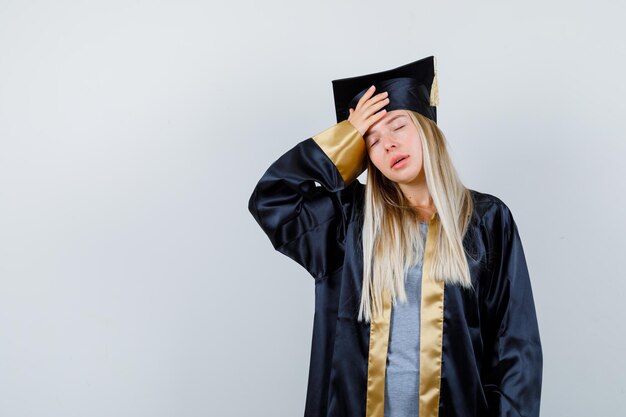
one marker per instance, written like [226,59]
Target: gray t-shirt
[402,376]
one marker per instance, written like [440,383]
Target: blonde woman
[424,305]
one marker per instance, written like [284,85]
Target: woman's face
[395,138]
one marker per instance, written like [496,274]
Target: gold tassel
[434,88]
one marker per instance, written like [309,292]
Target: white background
[133,280]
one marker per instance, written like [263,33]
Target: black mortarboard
[412,86]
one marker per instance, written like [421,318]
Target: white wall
[133,280]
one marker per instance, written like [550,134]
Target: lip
[397,158]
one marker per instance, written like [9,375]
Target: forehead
[389,117]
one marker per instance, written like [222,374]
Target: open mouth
[399,161]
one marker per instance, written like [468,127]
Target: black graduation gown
[480,350]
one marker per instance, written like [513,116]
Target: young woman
[423,302]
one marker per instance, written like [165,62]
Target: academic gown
[480,350]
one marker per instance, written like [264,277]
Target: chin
[403,178]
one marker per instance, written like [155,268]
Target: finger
[377,98]
[376,117]
[370,108]
[382,97]
[366,95]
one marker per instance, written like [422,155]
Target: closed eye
[374,143]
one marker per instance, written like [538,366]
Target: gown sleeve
[303,202]
[514,362]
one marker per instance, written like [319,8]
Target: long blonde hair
[391,237]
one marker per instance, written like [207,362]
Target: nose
[389,144]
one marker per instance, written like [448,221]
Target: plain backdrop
[134,281]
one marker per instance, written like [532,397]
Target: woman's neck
[419,197]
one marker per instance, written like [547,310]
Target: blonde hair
[391,237]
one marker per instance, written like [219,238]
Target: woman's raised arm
[304,201]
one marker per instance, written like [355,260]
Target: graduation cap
[412,86]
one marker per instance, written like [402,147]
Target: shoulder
[485,200]
[497,223]
[494,214]
[485,203]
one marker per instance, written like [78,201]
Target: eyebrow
[369,132]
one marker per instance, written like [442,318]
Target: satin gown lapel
[377,360]
[431,332]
